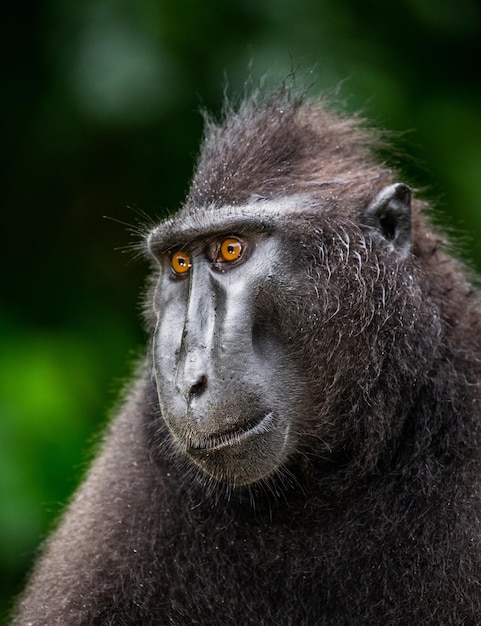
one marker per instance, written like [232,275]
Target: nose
[193,371]
[194,361]
[198,388]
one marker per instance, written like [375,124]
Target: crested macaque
[301,444]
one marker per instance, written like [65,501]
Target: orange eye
[180,262]
[231,250]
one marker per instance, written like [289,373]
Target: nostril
[199,388]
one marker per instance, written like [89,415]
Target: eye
[231,250]
[180,262]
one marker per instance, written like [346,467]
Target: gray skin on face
[218,370]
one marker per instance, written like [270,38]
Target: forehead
[259,215]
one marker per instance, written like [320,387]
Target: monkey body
[180,559]
[302,443]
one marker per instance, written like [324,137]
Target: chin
[246,457]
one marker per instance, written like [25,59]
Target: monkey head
[291,309]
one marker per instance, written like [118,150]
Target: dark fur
[376,517]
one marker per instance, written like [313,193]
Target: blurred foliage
[100,118]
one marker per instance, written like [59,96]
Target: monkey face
[224,384]
[264,318]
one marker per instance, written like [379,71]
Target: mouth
[248,431]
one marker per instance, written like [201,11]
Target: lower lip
[264,425]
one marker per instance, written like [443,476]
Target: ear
[390,214]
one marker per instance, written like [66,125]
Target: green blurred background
[100,118]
